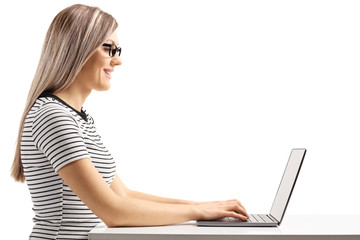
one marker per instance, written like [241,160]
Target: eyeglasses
[112,49]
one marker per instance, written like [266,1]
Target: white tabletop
[292,227]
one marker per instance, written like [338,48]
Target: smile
[108,72]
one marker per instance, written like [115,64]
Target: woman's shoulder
[46,106]
[49,104]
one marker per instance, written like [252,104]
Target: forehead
[113,39]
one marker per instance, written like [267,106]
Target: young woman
[70,174]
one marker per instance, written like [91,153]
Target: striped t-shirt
[54,135]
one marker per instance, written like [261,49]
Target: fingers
[229,208]
[240,216]
[243,208]
[234,215]
[238,208]
[239,203]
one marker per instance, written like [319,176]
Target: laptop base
[255,220]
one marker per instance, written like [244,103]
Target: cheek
[93,73]
[94,70]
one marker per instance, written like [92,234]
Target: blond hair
[73,36]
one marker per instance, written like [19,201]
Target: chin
[105,88]
[103,85]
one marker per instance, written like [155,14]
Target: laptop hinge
[272,218]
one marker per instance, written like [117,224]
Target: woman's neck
[73,96]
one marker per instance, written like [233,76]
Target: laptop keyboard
[253,218]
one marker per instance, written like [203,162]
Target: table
[293,227]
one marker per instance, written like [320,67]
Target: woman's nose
[116,61]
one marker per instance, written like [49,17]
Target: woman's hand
[220,209]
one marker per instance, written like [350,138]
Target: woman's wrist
[195,211]
[191,202]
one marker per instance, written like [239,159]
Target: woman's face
[96,73]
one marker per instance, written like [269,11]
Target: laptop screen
[287,183]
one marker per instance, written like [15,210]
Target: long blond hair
[73,36]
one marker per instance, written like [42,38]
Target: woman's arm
[123,210]
[119,188]
[149,197]
[118,210]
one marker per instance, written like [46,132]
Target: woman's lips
[108,72]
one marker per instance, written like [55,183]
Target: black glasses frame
[113,49]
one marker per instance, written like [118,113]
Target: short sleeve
[57,135]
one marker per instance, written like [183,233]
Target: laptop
[280,203]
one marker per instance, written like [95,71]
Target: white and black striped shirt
[54,135]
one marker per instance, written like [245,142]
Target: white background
[209,100]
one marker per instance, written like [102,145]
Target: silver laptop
[281,201]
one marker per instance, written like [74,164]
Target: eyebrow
[112,41]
